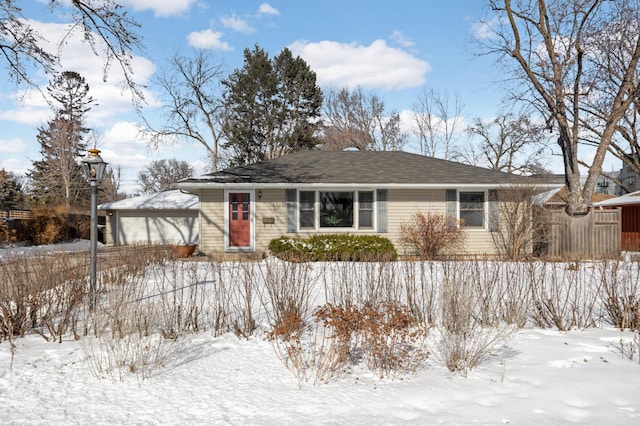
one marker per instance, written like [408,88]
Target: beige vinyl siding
[212,221]
[404,203]
[270,206]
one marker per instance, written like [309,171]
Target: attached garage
[169,217]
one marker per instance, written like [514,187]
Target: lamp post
[93,168]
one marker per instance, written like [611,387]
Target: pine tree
[57,179]
[11,191]
[272,107]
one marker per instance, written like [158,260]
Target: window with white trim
[471,205]
[336,209]
[307,209]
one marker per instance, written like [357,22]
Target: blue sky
[395,49]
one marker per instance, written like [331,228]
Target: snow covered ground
[539,377]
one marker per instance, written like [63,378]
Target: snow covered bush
[329,247]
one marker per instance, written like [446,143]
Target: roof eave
[192,187]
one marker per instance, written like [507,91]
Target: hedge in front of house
[330,247]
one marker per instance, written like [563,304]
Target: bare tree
[508,144]
[160,175]
[104,25]
[192,107]
[556,50]
[354,119]
[439,122]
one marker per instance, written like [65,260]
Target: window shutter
[494,211]
[452,202]
[382,210]
[292,205]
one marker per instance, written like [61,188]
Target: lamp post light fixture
[93,168]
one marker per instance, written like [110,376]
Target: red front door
[239,219]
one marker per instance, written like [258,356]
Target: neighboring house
[163,217]
[606,185]
[359,192]
[629,205]
[556,198]
[629,179]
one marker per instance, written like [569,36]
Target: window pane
[365,205]
[307,200]
[336,209]
[472,217]
[306,219]
[307,209]
[472,208]
[366,219]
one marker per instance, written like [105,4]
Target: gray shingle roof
[357,167]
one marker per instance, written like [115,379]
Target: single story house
[169,217]
[629,205]
[359,192]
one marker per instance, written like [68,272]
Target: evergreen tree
[273,107]
[11,191]
[57,178]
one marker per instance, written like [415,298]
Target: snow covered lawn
[535,377]
[540,377]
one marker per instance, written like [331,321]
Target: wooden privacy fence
[594,235]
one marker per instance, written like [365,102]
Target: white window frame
[337,229]
[485,209]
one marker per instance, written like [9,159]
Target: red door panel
[239,219]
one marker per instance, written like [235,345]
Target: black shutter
[292,206]
[452,202]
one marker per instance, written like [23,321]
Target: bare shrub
[130,322]
[394,345]
[181,299]
[8,234]
[47,226]
[288,341]
[362,283]
[430,236]
[42,294]
[337,341]
[464,341]
[287,289]
[564,295]
[242,302]
[502,291]
[520,225]
[387,338]
[621,292]
[132,354]
[630,348]
[18,297]
[421,283]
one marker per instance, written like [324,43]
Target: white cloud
[208,39]
[12,145]
[486,29]
[160,8]
[15,165]
[112,96]
[237,24]
[267,9]
[399,38]
[377,66]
